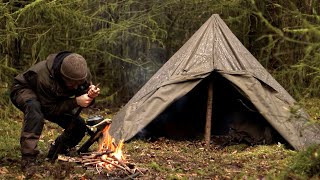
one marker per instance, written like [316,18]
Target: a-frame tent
[214,51]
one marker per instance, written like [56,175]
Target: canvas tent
[214,55]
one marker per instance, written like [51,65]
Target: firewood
[95,154]
[115,165]
[92,163]
[121,163]
[89,160]
[68,159]
[100,160]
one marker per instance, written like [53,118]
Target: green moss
[155,166]
[306,163]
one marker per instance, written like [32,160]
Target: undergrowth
[168,159]
[306,164]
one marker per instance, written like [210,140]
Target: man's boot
[56,149]
[28,165]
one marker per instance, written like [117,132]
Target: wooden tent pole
[207,134]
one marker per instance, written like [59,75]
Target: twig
[97,153]
[89,160]
[115,145]
[99,168]
[137,169]
[122,163]
[91,163]
[115,165]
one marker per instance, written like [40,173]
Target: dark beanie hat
[74,67]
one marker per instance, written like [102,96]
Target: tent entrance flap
[233,115]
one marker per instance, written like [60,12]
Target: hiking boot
[55,150]
[28,166]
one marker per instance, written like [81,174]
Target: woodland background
[126,41]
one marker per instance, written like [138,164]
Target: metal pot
[93,120]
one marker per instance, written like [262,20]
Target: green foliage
[312,106]
[9,139]
[306,163]
[125,42]
[288,41]
[6,107]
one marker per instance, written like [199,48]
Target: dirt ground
[167,159]
[170,159]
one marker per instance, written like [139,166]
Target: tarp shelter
[213,55]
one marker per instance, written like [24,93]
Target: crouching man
[52,89]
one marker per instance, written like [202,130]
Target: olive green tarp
[215,49]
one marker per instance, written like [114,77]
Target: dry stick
[87,153]
[96,154]
[91,163]
[88,157]
[89,160]
[137,169]
[93,157]
[122,163]
[115,145]
[125,166]
[99,169]
[115,165]
[109,158]
[209,115]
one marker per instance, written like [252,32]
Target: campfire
[108,157]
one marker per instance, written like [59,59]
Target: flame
[118,152]
[108,144]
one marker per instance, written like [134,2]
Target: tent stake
[207,134]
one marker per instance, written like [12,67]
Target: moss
[306,163]
[155,166]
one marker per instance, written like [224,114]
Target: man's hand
[84,100]
[93,91]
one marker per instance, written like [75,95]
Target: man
[53,89]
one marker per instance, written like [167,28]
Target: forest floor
[167,159]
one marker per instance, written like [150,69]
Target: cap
[74,67]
